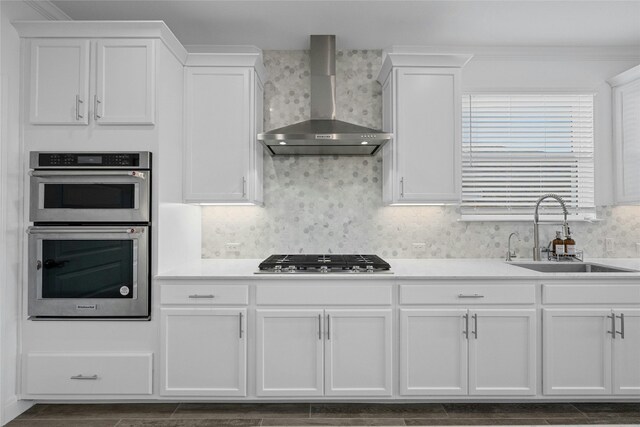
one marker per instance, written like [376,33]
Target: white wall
[11,224]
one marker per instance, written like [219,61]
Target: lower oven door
[89,271]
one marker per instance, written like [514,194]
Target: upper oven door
[89,196]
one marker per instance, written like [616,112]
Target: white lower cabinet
[315,352]
[584,347]
[460,351]
[204,352]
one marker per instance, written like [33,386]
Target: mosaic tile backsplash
[333,204]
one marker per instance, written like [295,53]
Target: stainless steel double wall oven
[89,247]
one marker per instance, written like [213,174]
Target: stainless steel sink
[572,268]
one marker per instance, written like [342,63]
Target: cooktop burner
[324,263]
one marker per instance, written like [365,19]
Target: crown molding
[411,56]
[625,77]
[226,56]
[528,53]
[48,10]
[104,29]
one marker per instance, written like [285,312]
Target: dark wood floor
[323,414]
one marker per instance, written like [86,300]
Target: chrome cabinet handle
[328,326]
[244,187]
[201,296]
[466,326]
[319,326]
[475,326]
[470,296]
[621,332]
[78,102]
[402,187]
[84,377]
[240,324]
[96,101]
[613,326]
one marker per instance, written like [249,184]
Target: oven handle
[84,230]
[133,173]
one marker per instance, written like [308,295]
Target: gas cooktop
[324,263]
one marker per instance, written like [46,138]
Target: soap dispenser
[569,244]
[558,244]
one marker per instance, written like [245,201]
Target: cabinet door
[577,351]
[289,355]
[389,167]
[626,352]
[218,136]
[427,135]
[125,82]
[626,131]
[358,353]
[502,352]
[204,352]
[433,352]
[59,82]
[257,151]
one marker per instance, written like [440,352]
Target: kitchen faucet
[536,218]
[509,253]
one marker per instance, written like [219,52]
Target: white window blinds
[516,148]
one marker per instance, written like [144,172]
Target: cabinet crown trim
[625,77]
[418,57]
[103,29]
[228,59]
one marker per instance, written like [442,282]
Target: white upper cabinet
[59,81]
[422,108]
[125,82]
[223,160]
[626,135]
[80,81]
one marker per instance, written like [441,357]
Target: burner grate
[324,263]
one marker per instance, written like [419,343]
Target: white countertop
[401,269]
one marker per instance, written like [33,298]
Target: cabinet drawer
[467,293]
[591,294]
[204,294]
[323,295]
[88,373]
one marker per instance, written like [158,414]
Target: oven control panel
[137,160]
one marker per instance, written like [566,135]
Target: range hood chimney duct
[323,77]
[323,134]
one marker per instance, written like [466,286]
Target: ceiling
[280,24]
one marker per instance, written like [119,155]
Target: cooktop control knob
[369,268]
[292,269]
[355,269]
[324,269]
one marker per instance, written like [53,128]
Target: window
[516,148]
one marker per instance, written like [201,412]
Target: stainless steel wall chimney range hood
[323,134]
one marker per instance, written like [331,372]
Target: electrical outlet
[419,247]
[232,247]
[608,244]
